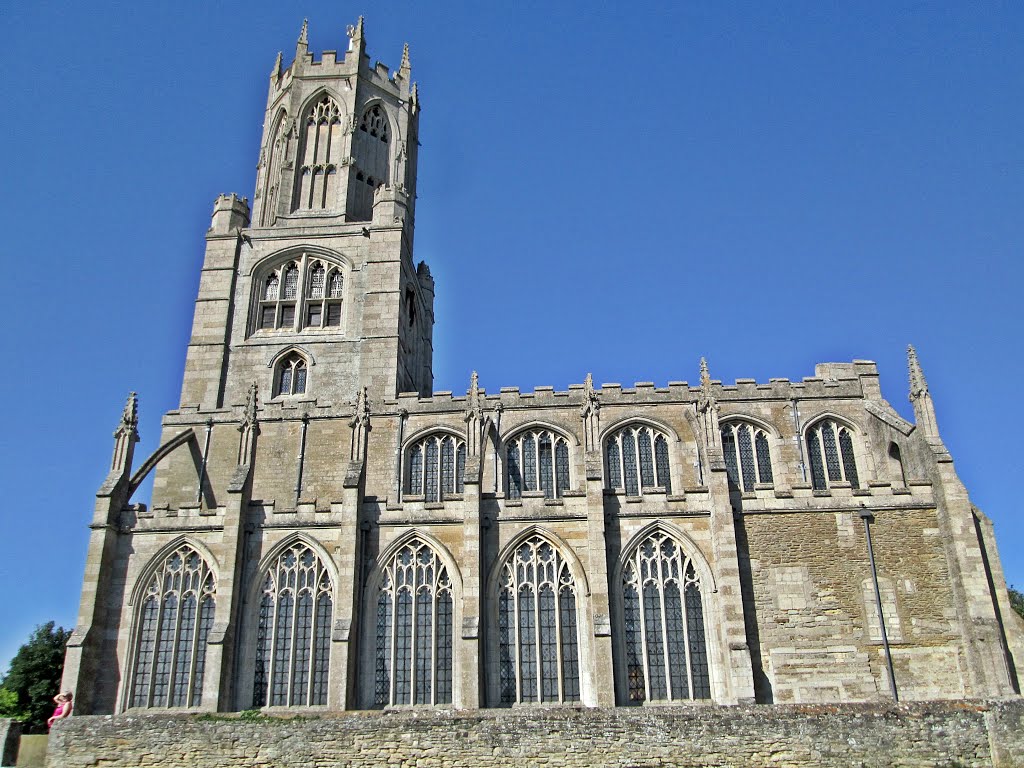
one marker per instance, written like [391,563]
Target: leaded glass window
[663,617]
[320,153]
[436,466]
[371,150]
[831,455]
[747,458]
[414,631]
[293,634]
[537,460]
[538,640]
[291,375]
[174,622]
[303,293]
[636,460]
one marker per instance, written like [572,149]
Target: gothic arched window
[293,633]
[666,652]
[636,458]
[277,301]
[174,623]
[413,650]
[436,465]
[321,150]
[303,293]
[323,296]
[538,637]
[537,460]
[273,156]
[747,458]
[290,378]
[372,153]
[830,453]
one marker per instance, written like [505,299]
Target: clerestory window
[830,454]
[302,294]
[293,633]
[537,460]
[636,457]
[747,458]
[173,625]
[290,378]
[413,656]
[538,636]
[320,153]
[436,466]
[666,651]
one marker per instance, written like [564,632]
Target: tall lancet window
[436,466]
[320,154]
[293,633]
[273,158]
[413,656]
[747,458]
[830,454]
[537,460]
[637,458]
[371,147]
[666,652]
[538,636]
[173,625]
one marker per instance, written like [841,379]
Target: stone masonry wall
[934,734]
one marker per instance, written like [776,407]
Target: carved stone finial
[249,412]
[129,416]
[362,415]
[707,397]
[414,96]
[591,404]
[918,385]
[705,375]
[276,71]
[474,385]
[406,66]
[304,32]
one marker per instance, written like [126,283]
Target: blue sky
[607,188]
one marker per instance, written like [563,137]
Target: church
[327,533]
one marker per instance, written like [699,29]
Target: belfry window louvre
[371,150]
[290,375]
[747,457]
[301,294]
[436,466]
[174,623]
[293,633]
[636,457]
[538,636]
[831,455]
[666,651]
[537,460]
[414,630]
[320,153]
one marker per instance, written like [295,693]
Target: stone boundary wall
[10,731]
[961,734]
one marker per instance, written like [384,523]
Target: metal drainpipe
[302,457]
[799,439]
[206,453]
[867,517]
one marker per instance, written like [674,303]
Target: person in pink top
[63,701]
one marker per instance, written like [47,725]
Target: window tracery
[371,148]
[831,455]
[538,637]
[302,294]
[174,623]
[321,150]
[636,457]
[414,630]
[290,378]
[537,460]
[437,464]
[293,633]
[747,456]
[666,651]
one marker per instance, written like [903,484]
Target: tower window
[830,454]
[371,150]
[537,460]
[304,293]
[321,149]
[538,640]
[747,458]
[291,375]
[293,634]
[413,654]
[173,626]
[436,465]
[636,458]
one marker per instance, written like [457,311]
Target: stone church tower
[326,532]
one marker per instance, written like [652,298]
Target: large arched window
[747,458]
[666,652]
[371,149]
[413,649]
[320,153]
[830,453]
[174,622]
[302,294]
[293,633]
[537,460]
[538,638]
[436,466]
[636,457]
[290,375]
